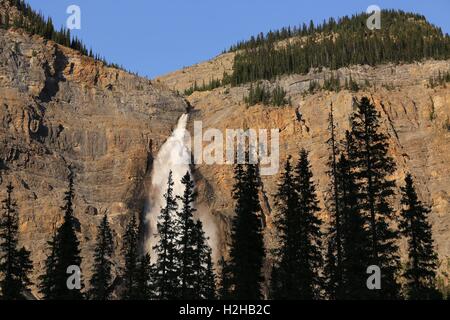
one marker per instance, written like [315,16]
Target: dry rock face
[58,108]
[414,117]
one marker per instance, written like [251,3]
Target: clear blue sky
[154,37]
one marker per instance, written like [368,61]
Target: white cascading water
[174,155]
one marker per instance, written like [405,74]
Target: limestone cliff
[59,108]
[414,116]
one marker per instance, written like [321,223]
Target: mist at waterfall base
[174,155]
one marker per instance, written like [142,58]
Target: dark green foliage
[332,83]
[211,85]
[257,94]
[422,264]
[101,274]
[65,252]
[404,37]
[440,80]
[247,247]
[372,168]
[15,263]
[279,97]
[166,269]
[261,94]
[131,256]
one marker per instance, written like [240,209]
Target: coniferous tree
[186,242]
[47,280]
[247,247]
[101,275]
[203,271]
[144,285]
[334,251]
[355,236]
[65,253]
[224,285]
[15,263]
[420,273]
[310,260]
[166,269]
[373,166]
[285,283]
[131,256]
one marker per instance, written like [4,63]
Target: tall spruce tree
[334,251]
[224,284]
[355,236]
[185,243]
[47,280]
[131,256]
[420,273]
[15,263]
[310,262]
[285,282]
[373,167]
[65,253]
[247,247]
[101,274]
[144,277]
[204,278]
[166,269]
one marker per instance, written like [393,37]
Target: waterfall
[174,155]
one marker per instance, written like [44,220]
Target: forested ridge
[403,38]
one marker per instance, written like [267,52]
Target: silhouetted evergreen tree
[47,280]
[144,284]
[373,167]
[101,274]
[225,283]
[355,235]
[247,247]
[309,244]
[285,283]
[166,269]
[131,256]
[65,252]
[422,264]
[204,278]
[15,263]
[334,252]
[185,243]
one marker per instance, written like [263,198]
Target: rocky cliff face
[414,117]
[58,108]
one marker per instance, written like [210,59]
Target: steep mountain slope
[414,115]
[59,108]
